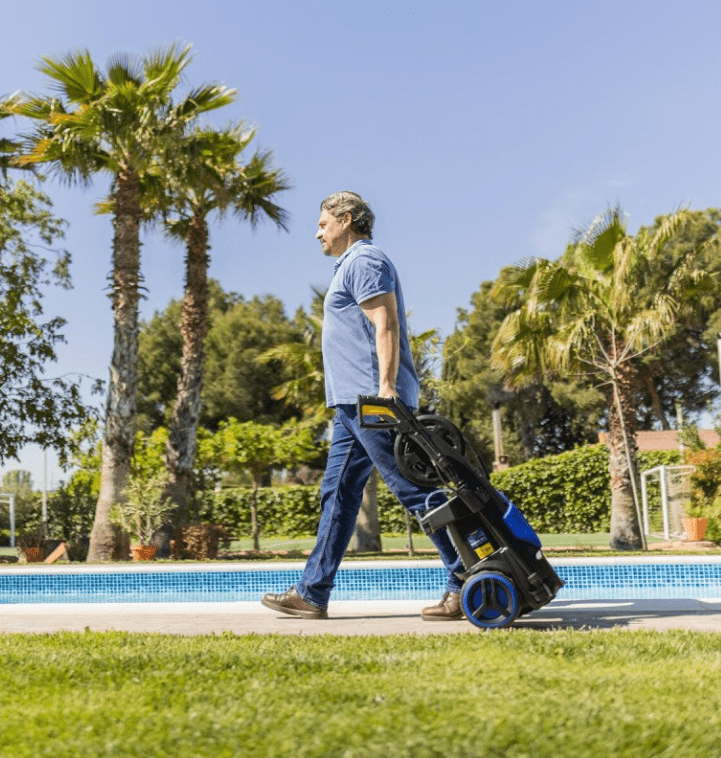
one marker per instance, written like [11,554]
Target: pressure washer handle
[383,412]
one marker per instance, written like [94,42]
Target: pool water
[586,579]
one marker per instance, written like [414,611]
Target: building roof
[667,440]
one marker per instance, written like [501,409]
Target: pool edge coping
[152,567]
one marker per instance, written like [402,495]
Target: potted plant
[694,523]
[143,512]
[705,498]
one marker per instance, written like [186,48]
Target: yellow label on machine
[483,550]
[377,410]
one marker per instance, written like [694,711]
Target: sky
[481,132]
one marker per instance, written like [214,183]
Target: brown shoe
[292,603]
[449,609]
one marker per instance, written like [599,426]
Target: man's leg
[341,494]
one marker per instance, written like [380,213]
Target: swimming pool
[586,579]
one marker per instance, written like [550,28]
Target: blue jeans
[354,452]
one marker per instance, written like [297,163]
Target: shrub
[290,511]
[570,492]
[198,542]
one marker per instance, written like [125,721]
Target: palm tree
[610,299]
[125,124]
[8,147]
[305,389]
[207,176]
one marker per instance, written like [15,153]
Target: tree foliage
[123,122]
[34,408]
[610,300]
[303,385]
[236,384]
[544,418]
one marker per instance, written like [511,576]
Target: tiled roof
[667,440]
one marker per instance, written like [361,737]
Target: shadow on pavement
[703,615]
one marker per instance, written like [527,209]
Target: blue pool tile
[584,581]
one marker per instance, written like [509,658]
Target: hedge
[566,493]
[290,511]
[570,492]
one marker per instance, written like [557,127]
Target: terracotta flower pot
[143,552]
[695,528]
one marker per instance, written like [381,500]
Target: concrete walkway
[347,617]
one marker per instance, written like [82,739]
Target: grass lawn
[517,693]
[399,542]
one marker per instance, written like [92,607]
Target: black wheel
[490,600]
[412,460]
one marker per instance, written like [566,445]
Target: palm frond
[669,228]
[74,75]
[549,285]
[124,69]
[514,281]
[253,188]
[164,66]
[202,100]
[595,246]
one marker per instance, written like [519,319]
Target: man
[365,352]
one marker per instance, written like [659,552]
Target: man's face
[333,233]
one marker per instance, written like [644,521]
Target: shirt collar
[349,251]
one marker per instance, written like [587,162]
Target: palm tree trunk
[120,411]
[625,525]
[656,404]
[183,438]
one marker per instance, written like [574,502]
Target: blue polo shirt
[350,361]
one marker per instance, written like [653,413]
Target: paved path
[347,617]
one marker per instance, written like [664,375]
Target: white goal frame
[665,474]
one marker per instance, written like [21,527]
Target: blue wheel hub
[490,600]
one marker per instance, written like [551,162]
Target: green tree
[71,507]
[34,408]
[685,373]
[537,420]
[426,352]
[249,446]
[304,384]
[122,123]
[207,177]
[595,312]
[234,383]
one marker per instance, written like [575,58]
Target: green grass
[398,542]
[518,693]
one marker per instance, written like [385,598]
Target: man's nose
[319,234]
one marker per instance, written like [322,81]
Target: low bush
[198,542]
[570,492]
[289,511]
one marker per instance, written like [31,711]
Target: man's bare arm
[382,311]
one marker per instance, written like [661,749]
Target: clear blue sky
[480,131]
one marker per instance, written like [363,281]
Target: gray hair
[351,202]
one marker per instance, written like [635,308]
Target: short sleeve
[368,276]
